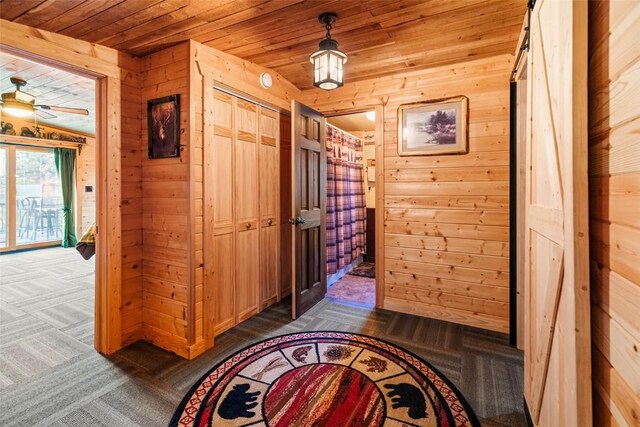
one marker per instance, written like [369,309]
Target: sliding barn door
[557,324]
[309,170]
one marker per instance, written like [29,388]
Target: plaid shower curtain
[346,208]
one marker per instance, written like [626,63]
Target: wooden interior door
[557,322]
[247,209]
[309,175]
[286,207]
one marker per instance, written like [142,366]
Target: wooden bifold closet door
[269,207]
[246,219]
[245,226]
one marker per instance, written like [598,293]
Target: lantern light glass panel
[328,69]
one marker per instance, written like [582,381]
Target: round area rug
[324,379]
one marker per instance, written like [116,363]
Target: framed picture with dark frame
[163,119]
[433,127]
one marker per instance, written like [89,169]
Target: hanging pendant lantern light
[328,61]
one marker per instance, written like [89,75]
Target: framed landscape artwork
[433,127]
[163,120]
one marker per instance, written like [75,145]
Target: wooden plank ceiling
[51,86]
[357,122]
[381,37]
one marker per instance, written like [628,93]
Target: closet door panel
[246,162]
[269,168]
[246,185]
[223,176]
[269,265]
[247,210]
[247,274]
[224,272]
[223,206]
[269,204]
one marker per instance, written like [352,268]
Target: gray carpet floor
[51,376]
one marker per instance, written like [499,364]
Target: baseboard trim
[166,341]
[131,335]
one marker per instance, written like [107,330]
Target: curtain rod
[344,131]
[26,141]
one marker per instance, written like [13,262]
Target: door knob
[297,220]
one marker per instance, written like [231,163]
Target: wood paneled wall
[131,204]
[117,79]
[86,177]
[200,339]
[176,303]
[446,217]
[614,187]
[166,215]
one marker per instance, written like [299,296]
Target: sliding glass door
[30,189]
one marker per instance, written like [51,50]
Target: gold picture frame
[433,127]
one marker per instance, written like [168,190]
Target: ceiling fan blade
[45,115]
[64,109]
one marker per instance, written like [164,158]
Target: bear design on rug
[237,403]
[300,354]
[405,395]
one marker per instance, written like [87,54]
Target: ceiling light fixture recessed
[328,61]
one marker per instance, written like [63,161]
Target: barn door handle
[296,221]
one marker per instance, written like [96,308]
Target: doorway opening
[47,195]
[351,186]
[39,199]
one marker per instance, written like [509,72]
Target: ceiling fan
[22,104]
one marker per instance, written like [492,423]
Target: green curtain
[66,166]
